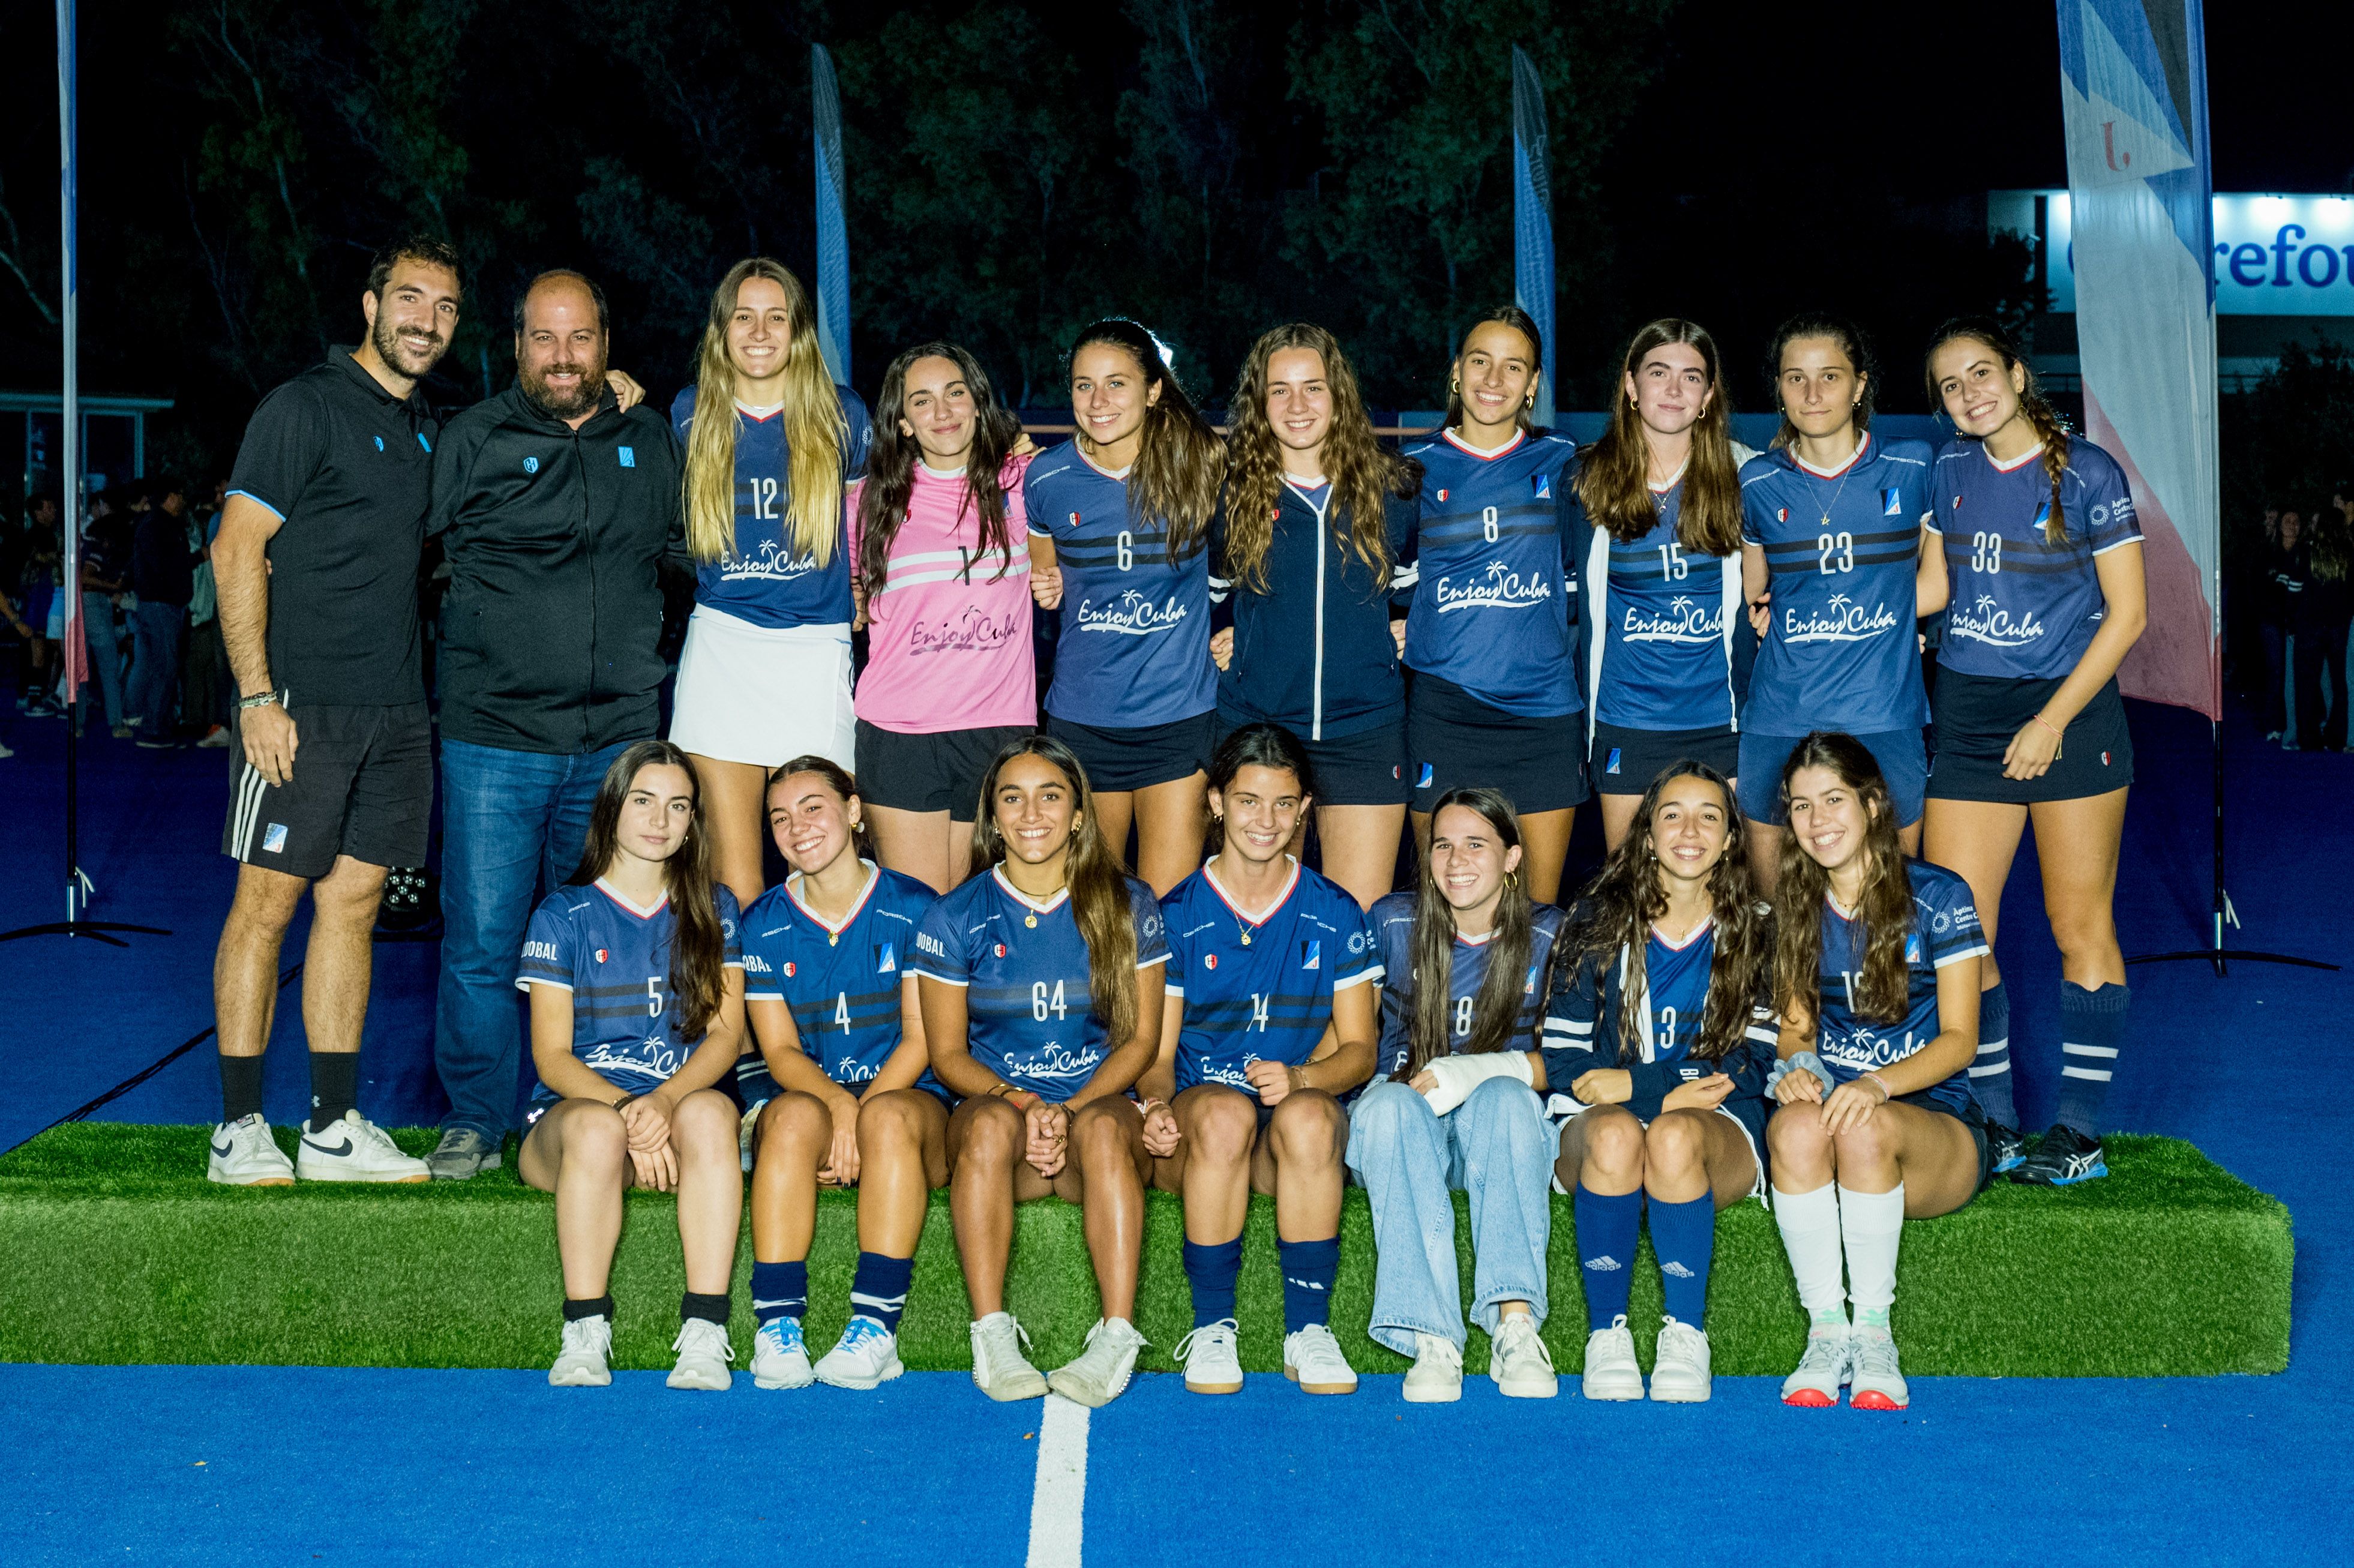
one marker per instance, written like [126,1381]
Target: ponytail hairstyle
[1099,896]
[1360,472]
[698,946]
[1261,744]
[2050,428]
[840,782]
[1614,473]
[1614,917]
[1497,1008]
[816,432]
[891,459]
[1851,342]
[1521,321]
[1180,462]
[1885,910]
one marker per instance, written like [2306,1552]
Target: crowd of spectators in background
[2306,611]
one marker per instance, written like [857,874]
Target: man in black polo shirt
[557,511]
[316,565]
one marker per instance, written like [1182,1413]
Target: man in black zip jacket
[557,512]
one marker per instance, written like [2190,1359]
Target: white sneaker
[779,1359]
[1312,1358]
[354,1149]
[1679,1370]
[1436,1375]
[704,1353]
[1875,1383]
[1211,1364]
[587,1345]
[1098,1373]
[1519,1361]
[867,1355]
[1821,1371]
[245,1155]
[1611,1371]
[999,1370]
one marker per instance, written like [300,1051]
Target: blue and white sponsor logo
[1612,766]
[423,442]
[771,560]
[1133,614]
[851,1070]
[379,443]
[1688,620]
[1541,486]
[927,942]
[1892,503]
[889,962]
[1498,587]
[629,457]
[1841,620]
[1055,1061]
[1989,623]
[1311,954]
[1428,773]
[273,839]
[543,950]
[755,964]
[531,465]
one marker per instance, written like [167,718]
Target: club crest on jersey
[1543,485]
[1613,766]
[531,465]
[1781,515]
[1442,495]
[1074,519]
[1000,949]
[629,456]
[379,443]
[889,962]
[1311,954]
[1209,960]
[1892,503]
[792,969]
[602,955]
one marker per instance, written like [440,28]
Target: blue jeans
[156,662]
[105,653]
[1495,1146]
[513,824]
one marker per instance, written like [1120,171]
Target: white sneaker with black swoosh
[354,1149]
[244,1154]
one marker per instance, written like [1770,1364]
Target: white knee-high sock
[1811,1235]
[1871,1224]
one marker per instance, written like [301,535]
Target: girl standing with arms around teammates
[1040,980]
[1119,522]
[1657,1044]
[2036,560]
[765,674]
[853,1101]
[1307,542]
[1463,959]
[1494,699]
[1876,979]
[636,1008]
[1270,1016]
[939,549]
[1655,530]
[1831,523]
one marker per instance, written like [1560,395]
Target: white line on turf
[1059,1505]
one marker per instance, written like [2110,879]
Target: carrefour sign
[2274,255]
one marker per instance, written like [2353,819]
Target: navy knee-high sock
[1685,1238]
[1310,1269]
[1606,1246]
[1991,1078]
[2092,1024]
[878,1289]
[1211,1268]
[779,1289]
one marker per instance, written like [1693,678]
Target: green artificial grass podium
[121,1252]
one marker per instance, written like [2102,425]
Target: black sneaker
[2005,1147]
[2063,1157]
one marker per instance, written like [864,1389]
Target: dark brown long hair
[1099,903]
[891,459]
[1614,473]
[1851,342]
[2050,429]
[1496,1010]
[1885,910]
[1360,472]
[1260,745]
[1521,321]
[697,947]
[1614,916]
[1180,461]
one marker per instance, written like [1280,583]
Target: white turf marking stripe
[2110,1051]
[1059,1505]
[2100,1076]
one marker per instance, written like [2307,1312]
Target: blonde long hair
[816,432]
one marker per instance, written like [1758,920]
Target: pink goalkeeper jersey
[949,639]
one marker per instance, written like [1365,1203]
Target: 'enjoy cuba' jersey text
[763,581]
[1665,641]
[2019,607]
[1841,551]
[1391,918]
[1492,588]
[614,958]
[1260,992]
[1945,930]
[1030,1017]
[1135,644]
[842,981]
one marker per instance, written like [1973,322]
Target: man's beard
[403,352]
[587,395]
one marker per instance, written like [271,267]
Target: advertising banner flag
[1533,216]
[2133,89]
[833,236]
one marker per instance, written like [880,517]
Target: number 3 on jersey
[1042,1003]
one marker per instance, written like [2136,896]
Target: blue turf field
[402,1466]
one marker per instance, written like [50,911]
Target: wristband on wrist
[624,1101]
[2056,736]
[262,700]
[1886,1093]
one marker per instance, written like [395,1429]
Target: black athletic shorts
[939,772]
[362,785]
[1970,1117]
[1624,761]
[1456,740]
[1124,759]
[1366,769]
[1978,715]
